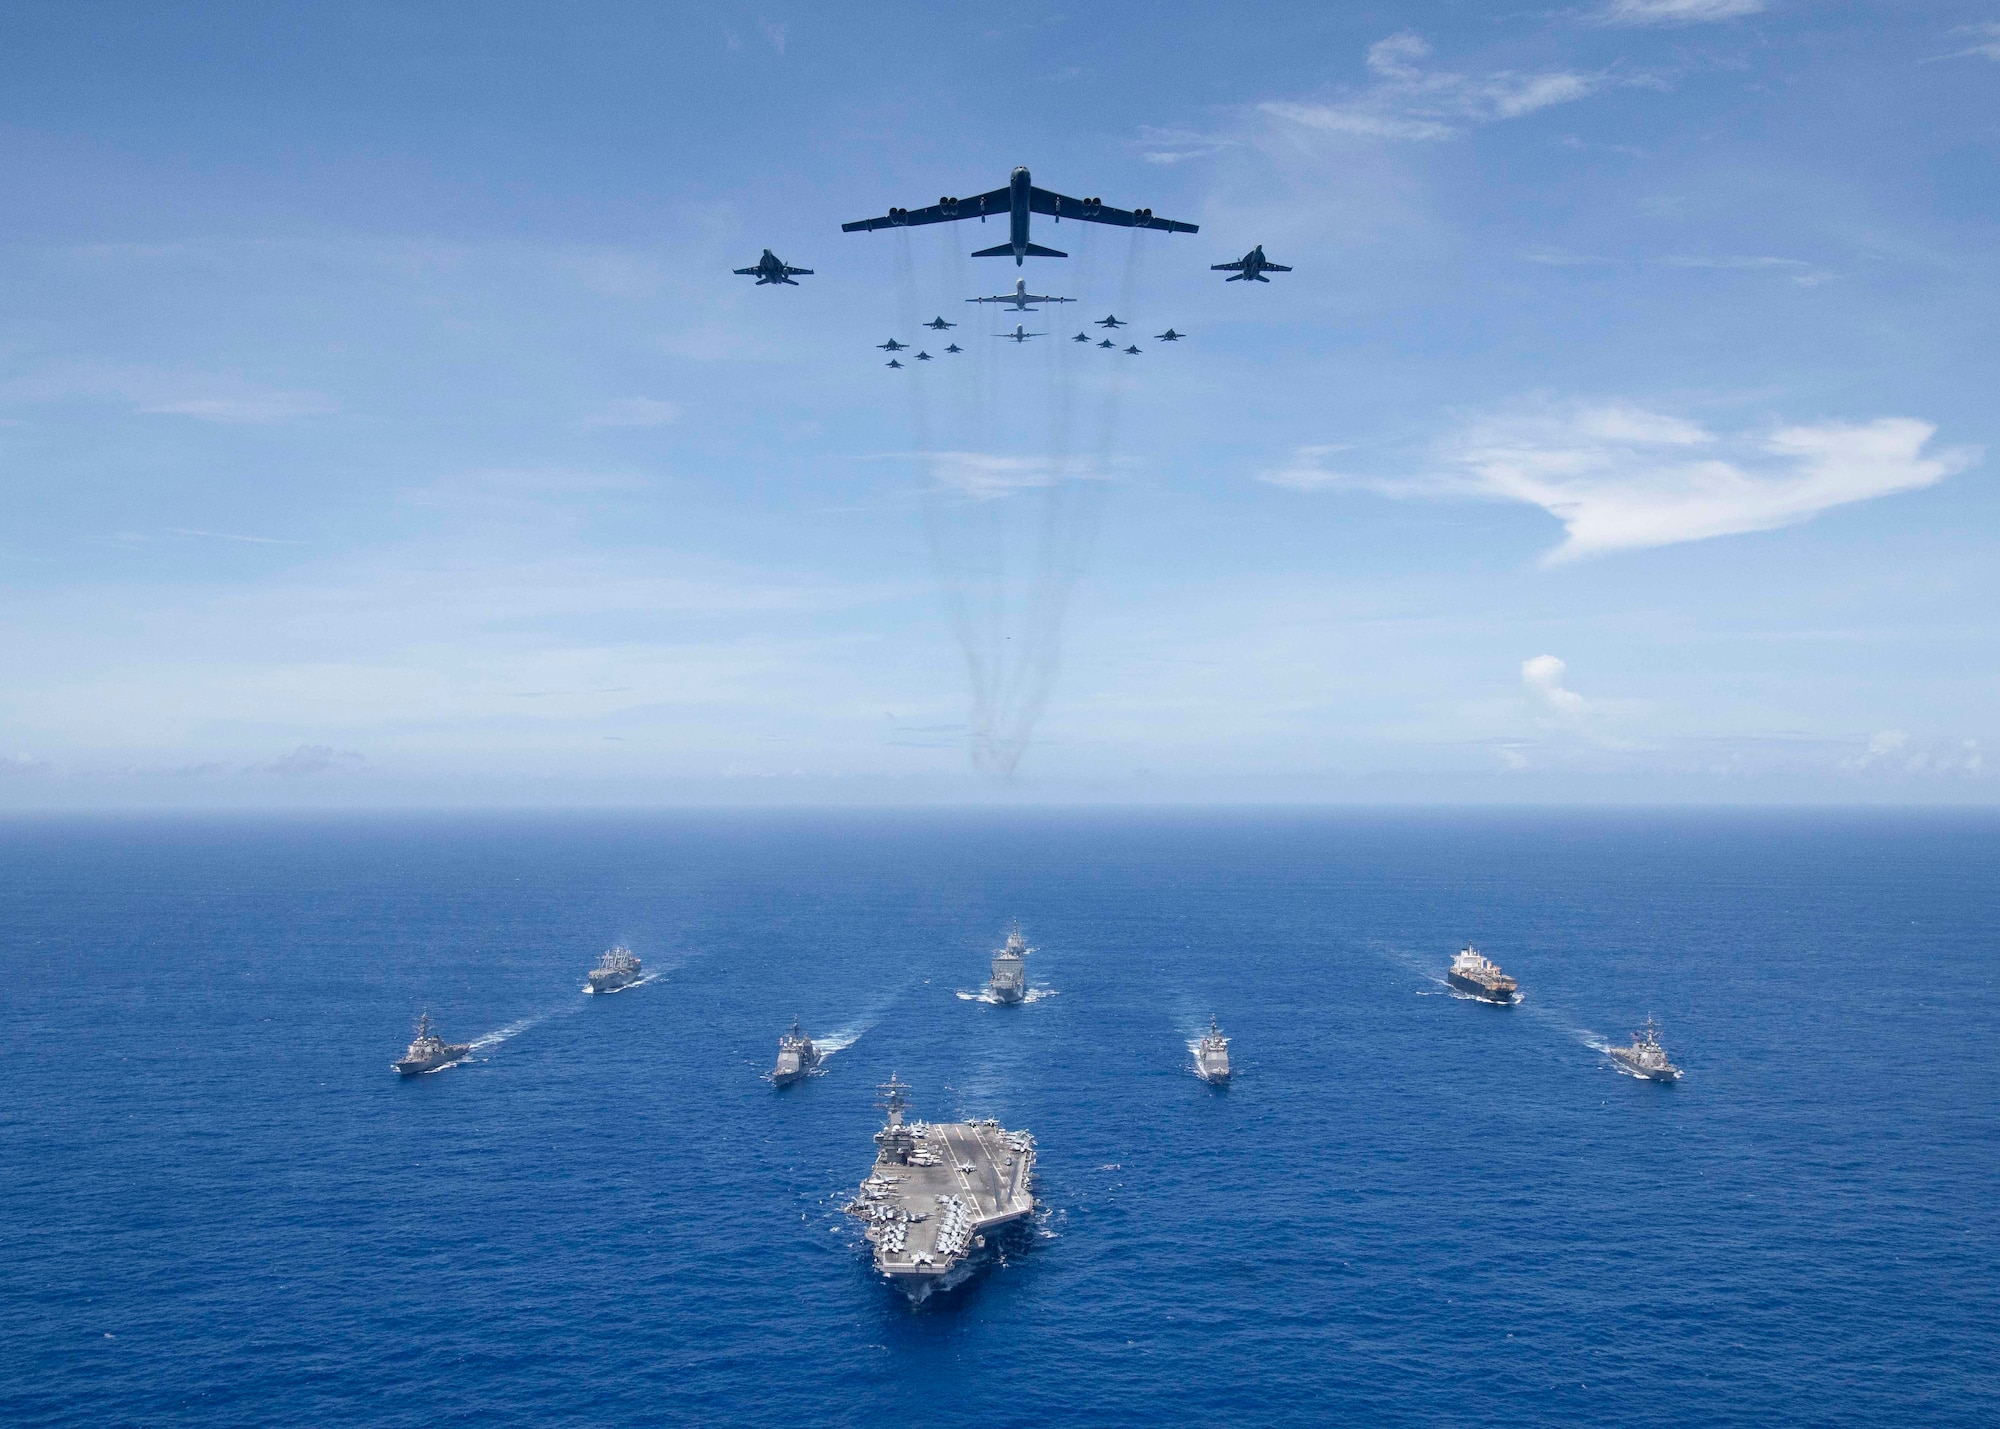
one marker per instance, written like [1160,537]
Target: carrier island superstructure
[937,1190]
[1010,972]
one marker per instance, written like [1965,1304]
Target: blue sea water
[218,1206]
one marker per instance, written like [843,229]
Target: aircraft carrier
[937,1191]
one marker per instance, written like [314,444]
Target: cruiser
[615,971]
[798,1058]
[1473,973]
[428,1051]
[937,1191]
[1010,975]
[1646,1057]
[1211,1057]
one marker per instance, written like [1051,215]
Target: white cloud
[985,477]
[1986,42]
[1308,471]
[1797,269]
[634,412]
[164,393]
[1622,478]
[249,409]
[1404,101]
[1543,676]
[1675,12]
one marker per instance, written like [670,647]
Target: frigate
[1211,1056]
[1010,973]
[1473,973]
[428,1051]
[937,1192]
[614,972]
[1646,1057]
[798,1058]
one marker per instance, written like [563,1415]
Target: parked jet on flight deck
[1018,200]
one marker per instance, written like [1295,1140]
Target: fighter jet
[1107,343]
[892,345]
[1019,199]
[771,269]
[1131,352]
[1168,336]
[1021,300]
[894,363]
[1112,320]
[925,357]
[954,348]
[1252,265]
[1081,337]
[939,323]
[1020,334]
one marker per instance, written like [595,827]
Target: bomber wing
[943,211]
[1091,211]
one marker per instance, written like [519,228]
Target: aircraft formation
[1018,202]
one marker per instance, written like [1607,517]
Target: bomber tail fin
[1035,250]
[1004,250]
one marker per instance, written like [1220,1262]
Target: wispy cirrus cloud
[1985,42]
[985,476]
[1675,12]
[1796,269]
[633,412]
[1622,478]
[1404,100]
[156,392]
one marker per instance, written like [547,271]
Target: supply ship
[937,1192]
[1474,974]
[1010,973]
[614,972]
[1211,1057]
[798,1058]
[428,1051]
[1646,1057]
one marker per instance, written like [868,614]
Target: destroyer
[937,1192]
[1646,1057]
[428,1051]
[1211,1057]
[1010,973]
[615,971]
[1476,975]
[798,1058]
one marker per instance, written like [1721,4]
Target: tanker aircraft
[1018,200]
[1252,265]
[1020,334]
[1021,300]
[772,269]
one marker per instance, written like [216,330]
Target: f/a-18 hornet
[1020,334]
[1081,337]
[1168,336]
[1132,352]
[1019,199]
[892,345]
[954,348]
[1113,321]
[894,363]
[1021,300]
[939,323]
[772,269]
[1252,265]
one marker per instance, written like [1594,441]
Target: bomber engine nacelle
[899,216]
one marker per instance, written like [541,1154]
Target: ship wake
[985,995]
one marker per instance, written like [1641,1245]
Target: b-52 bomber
[772,269]
[1021,300]
[1018,200]
[1019,334]
[1252,265]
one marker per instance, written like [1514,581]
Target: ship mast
[895,1139]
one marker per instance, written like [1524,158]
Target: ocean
[219,1206]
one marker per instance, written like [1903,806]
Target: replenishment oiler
[1010,973]
[428,1051]
[1211,1057]
[1646,1057]
[1476,975]
[798,1057]
[616,970]
[937,1192]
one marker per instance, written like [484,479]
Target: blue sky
[382,424]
